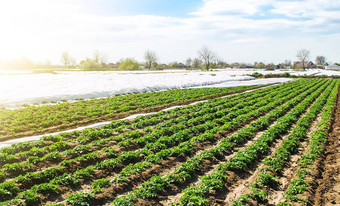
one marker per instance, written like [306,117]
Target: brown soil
[77,165]
[327,175]
[174,194]
[165,170]
[240,185]
[116,116]
[277,194]
[209,167]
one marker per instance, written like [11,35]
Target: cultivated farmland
[50,118]
[254,148]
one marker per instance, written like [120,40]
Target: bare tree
[99,57]
[303,55]
[207,56]
[66,59]
[188,62]
[73,62]
[150,57]
[96,55]
[220,63]
[321,60]
[196,63]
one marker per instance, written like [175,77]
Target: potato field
[263,147]
[46,118]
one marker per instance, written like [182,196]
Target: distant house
[296,63]
[309,65]
[321,66]
[236,65]
[276,66]
[332,67]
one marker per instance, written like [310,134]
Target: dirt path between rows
[328,190]
[242,185]
[289,172]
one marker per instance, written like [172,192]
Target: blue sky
[238,31]
[175,8]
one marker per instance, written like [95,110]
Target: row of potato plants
[245,159]
[38,117]
[56,169]
[186,170]
[64,136]
[95,136]
[280,159]
[53,155]
[25,146]
[22,150]
[185,148]
[138,166]
[299,184]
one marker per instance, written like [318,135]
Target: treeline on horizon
[206,60]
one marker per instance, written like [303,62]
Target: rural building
[332,67]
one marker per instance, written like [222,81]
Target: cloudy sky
[242,31]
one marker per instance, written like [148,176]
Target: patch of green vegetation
[33,118]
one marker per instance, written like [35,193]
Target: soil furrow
[242,186]
[174,190]
[326,171]
[208,170]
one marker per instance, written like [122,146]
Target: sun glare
[25,29]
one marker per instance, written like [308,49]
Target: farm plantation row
[257,147]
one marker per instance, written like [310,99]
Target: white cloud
[42,29]
[248,40]
[304,8]
[231,7]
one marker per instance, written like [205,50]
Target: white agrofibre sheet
[17,90]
